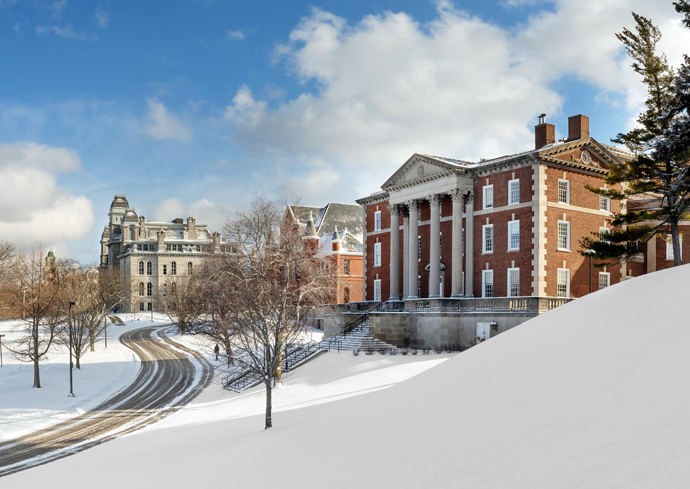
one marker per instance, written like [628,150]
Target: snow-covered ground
[590,395]
[103,372]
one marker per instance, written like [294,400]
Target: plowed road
[166,381]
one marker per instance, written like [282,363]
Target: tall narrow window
[149,289]
[513,282]
[564,235]
[141,268]
[377,290]
[604,203]
[149,306]
[514,192]
[440,245]
[488,197]
[377,221]
[513,235]
[141,289]
[165,269]
[488,238]
[603,232]
[487,283]
[604,280]
[419,285]
[173,268]
[563,282]
[669,249]
[149,268]
[141,306]
[564,191]
[190,268]
[419,249]
[346,267]
[377,254]
[346,295]
[131,234]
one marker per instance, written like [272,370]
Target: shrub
[355,352]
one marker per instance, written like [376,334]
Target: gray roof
[119,201]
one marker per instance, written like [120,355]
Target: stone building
[474,248]
[153,253]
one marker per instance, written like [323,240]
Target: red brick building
[504,227]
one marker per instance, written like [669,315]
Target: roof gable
[420,167]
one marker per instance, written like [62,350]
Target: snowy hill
[592,394]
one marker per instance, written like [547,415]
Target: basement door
[484,330]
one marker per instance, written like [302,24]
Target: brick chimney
[543,133]
[578,127]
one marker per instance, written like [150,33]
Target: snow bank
[592,394]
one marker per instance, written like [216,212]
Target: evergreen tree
[652,173]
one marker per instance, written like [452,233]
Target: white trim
[607,202]
[567,223]
[484,238]
[377,290]
[604,230]
[669,248]
[607,279]
[485,275]
[510,194]
[508,290]
[377,254]
[378,221]
[517,224]
[567,192]
[559,274]
[486,202]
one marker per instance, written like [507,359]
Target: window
[143,247]
[463,241]
[513,282]
[440,245]
[377,254]
[165,269]
[513,235]
[488,238]
[149,268]
[564,191]
[141,268]
[603,231]
[131,234]
[419,249]
[141,289]
[564,235]
[190,268]
[148,306]
[669,249]
[149,289]
[604,203]
[377,290]
[489,197]
[141,306]
[346,270]
[563,285]
[419,285]
[604,280]
[487,283]
[173,268]
[346,295]
[513,192]
[377,221]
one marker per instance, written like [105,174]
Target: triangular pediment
[583,153]
[420,168]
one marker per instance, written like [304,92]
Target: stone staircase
[358,339]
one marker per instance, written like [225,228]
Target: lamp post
[71,390]
[24,287]
[1,336]
[590,253]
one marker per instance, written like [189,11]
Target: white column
[469,246]
[413,264]
[456,257]
[435,247]
[395,253]
[406,256]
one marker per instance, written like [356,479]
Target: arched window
[173,287]
[141,289]
[149,289]
[149,268]
[173,268]
[141,268]
[189,268]
[346,295]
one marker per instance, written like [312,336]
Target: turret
[310,240]
[335,244]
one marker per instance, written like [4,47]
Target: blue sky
[191,107]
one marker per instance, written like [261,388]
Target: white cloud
[457,86]
[57,8]
[205,211]
[33,207]
[162,125]
[67,32]
[102,17]
[237,35]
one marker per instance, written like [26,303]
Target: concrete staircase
[358,339]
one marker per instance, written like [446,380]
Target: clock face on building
[585,156]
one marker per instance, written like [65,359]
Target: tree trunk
[37,374]
[93,346]
[675,236]
[78,364]
[269,407]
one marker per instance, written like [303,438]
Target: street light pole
[590,253]
[71,389]
[1,336]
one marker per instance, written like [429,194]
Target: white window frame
[419,285]
[559,273]
[486,274]
[515,223]
[419,248]
[440,244]
[669,248]
[377,221]
[485,248]
[510,290]
[607,280]
[487,191]
[512,183]
[377,290]
[567,223]
[377,254]
[604,230]
[567,191]
[606,201]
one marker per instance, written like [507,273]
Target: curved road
[164,384]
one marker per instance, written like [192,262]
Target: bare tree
[6,285]
[37,299]
[266,286]
[182,299]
